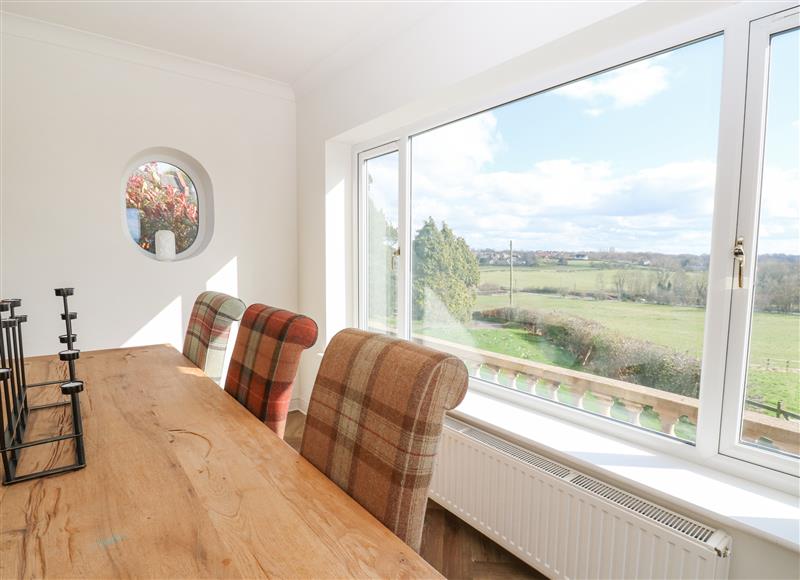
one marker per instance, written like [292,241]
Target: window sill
[729,501]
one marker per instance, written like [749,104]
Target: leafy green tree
[381,273]
[166,199]
[778,280]
[445,274]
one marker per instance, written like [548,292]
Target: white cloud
[457,149]
[595,112]
[383,186]
[559,203]
[627,86]
[779,230]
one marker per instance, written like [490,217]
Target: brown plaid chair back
[208,331]
[374,422]
[265,361]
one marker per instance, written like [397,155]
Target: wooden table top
[180,481]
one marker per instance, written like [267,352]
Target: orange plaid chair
[374,422]
[265,360]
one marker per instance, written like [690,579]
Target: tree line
[445,272]
[446,275]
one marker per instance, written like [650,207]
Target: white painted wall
[459,54]
[75,109]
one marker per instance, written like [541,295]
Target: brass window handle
[738,255]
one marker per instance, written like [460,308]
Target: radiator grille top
[644,508]
[524,455]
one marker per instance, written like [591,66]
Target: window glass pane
[772,406]
[561,242]
[160,196]
[382,181]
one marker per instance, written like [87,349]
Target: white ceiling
[291,42]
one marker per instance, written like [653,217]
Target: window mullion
[746,228]
[361,246]
[734,80]
[404,239]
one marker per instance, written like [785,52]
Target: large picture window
[561,242]
[570,245]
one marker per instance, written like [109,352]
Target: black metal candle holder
[14,409]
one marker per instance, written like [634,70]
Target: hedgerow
[607,353]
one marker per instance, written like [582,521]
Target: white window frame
[734,24]
[761,33]
[362,305]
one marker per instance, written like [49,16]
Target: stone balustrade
[672,414]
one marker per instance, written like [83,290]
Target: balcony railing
[674,415]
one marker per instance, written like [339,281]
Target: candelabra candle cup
[14,407]
[165,245]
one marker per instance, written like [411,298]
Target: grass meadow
[774,356]
[576,276]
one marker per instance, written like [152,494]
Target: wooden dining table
[180,481]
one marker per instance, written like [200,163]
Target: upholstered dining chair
[209,329]
[265,360]
[374,422]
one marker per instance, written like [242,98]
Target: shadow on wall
[169,324]
[120,304]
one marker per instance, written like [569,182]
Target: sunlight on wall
[164,327]
[338,245]
[335,254]
[227,280]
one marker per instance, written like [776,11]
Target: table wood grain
[181,481]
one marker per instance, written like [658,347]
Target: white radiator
[564,523]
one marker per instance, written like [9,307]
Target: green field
[576,276]
[680,328]
[775,336]
[774,345]
[508,339]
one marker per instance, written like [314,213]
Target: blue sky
[623,159]
[636,134]
[782,138]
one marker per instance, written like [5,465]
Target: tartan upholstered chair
[208,331]
[374,422]
[265,360]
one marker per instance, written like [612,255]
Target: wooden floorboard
[458,551]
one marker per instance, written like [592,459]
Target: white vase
[165,245]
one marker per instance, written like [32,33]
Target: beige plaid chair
[374,422]
[209,327]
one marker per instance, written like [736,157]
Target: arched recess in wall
[167,204]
